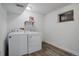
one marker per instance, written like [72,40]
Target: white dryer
[34,42]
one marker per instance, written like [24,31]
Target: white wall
[66,34]
[17,21]
[3,29]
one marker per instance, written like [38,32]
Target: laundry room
[39,29]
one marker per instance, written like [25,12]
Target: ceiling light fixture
[28,8]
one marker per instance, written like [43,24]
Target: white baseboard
[68,50]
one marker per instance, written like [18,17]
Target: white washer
[17,43]
[21,43]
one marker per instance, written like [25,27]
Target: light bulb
[28,8]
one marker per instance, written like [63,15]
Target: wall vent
[19,5]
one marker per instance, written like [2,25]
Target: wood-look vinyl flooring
[50,50]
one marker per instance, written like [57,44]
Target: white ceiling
[44,8]
[12,8]
[41,8]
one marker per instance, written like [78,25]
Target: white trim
[68,50]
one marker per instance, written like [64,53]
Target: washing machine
[17,43]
